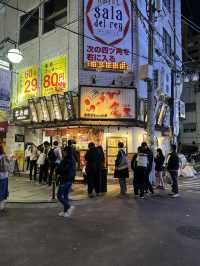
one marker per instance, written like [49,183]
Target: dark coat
[159,162]
[173,162]
[93,164]
[67,169]
[150,159]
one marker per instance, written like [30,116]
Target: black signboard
[19,138]
[21,114]
[70,106]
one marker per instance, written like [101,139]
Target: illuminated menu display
[33,111]
[56,107]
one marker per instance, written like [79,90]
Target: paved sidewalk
[159,231]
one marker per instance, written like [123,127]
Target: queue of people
[62,163]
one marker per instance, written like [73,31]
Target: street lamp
[15,55]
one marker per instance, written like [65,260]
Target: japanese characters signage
[107,103]
[5,82]
[108,35]
[27,83]
[54,76]
[22,113]
[70,114]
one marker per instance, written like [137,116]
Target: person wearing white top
[41,164]
[33,161]
[27,156]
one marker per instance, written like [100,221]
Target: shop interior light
[186,78]
[15,55]
[195,77]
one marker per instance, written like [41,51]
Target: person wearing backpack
[121,168]
[4,171]
[54,157]
[139,165]
[173,167]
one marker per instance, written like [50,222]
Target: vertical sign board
[5,84]
[108,34]
[54,76]
[27,84]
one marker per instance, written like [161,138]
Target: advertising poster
[108,35]
[27,84]
[54,76]
[5,86]
[107,103]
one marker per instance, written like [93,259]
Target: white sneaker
[61,214]
[70,211]
[175,195]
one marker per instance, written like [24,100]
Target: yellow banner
[54,76]
[27,83]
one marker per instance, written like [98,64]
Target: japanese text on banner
[54,76]
[27,83]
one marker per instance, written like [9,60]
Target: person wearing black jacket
[93,168]
[159,167]
[66,171]
[173,167]
[148,185]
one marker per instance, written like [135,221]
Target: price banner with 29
[54,76]
[27,83]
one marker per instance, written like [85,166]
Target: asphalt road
[158,231]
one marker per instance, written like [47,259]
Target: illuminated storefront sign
[108,34]
[22,113]
[107,103]
[54,76]
[27,83]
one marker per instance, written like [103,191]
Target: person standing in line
[103,171]
[159,167]
[66,171]
[54,157]
[92,159]
[4,172]
[173,167]
[148,185]
[41,164]
[33,162]
[139,165]
[27,156]
[46,146]
[121,168]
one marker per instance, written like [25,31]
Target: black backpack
[51,156]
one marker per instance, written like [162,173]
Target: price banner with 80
[54,76]
[27,83]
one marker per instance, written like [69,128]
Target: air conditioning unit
[158,5]
[146,72]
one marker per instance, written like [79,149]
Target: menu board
[56,107]
[70,112]
[33,111]
[44,109]
[22,113]
[112,151]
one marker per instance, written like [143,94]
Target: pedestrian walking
[4,172]
[71,144]
[27,156]
[139,165]
[47,147]
[41,164]
[159,167]
[54,157]
[173,167]
[92,159]
[148,185]
[33,162]
[121,168]
[66,171]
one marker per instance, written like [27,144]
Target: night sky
[191,10]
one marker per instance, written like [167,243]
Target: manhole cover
[192,232]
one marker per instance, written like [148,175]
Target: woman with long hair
[159,167]
[4,171]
